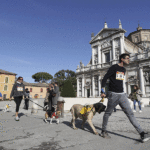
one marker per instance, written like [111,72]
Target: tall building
[106,46]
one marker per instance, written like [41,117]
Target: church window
[5,87]
[136,39]
[107,57]
[6,79]
[4,96]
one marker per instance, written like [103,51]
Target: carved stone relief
[96,81]
[117,54]
[117,42]
[106,44]
[96,59]
[147,77]
[132,79]
[88,82]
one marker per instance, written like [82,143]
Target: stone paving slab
[32,133]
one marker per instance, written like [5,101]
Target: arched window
[41,90]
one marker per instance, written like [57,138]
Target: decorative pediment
[105,32]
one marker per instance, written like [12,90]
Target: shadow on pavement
[78,125]
[19,115]
[110,132]
[142,118]
[79,122]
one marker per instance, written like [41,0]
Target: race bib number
[120,75]
[19,88]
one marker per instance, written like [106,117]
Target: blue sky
[51,35]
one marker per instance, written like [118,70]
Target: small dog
[6,108]
[86,113]
[52,114]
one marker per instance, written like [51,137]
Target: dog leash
[36,103]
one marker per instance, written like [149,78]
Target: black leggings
[26,103]
[18,102]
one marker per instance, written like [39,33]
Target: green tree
[42,76]
[67,89]
[63,75]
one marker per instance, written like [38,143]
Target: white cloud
[15,59]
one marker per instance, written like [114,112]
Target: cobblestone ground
[31,133]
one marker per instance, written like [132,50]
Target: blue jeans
[139,103]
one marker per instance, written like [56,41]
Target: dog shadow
[78,124]
[87,128]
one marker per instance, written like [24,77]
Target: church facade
[106,46]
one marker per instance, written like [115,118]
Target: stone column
[111,55]
[85,92]
[129,89]
[113,52]
[99,56]
[99,85]
[77,87]
[92,56]
[121,44]
[124,85]
[93,87]
[90,91]
[83,86]
[142,87]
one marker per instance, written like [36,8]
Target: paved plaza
[32,133]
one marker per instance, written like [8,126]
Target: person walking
[55,95]
[27,99]
[136,95]
[17,92]
[48,101]
[116,75]
[1,97]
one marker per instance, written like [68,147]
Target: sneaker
[145,137]
[105,135]
[51,121]
[57,121]
[140,111]
[17,118]
[134,110]
[45,120]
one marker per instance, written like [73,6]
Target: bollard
[34,109]
[142,104]
[60,106]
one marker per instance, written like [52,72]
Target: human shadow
[1,109]
[20,115]
[142,118]
[87,126]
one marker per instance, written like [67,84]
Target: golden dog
[86,113]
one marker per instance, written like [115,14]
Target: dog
[6,108]
[86,113]
[52,114]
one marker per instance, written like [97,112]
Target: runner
[116,74]
[17,92]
